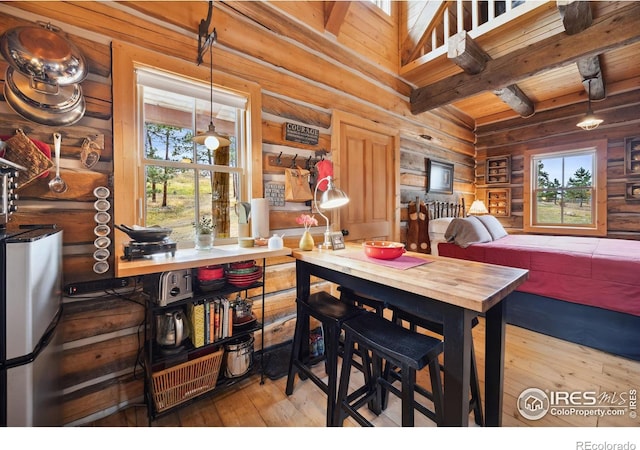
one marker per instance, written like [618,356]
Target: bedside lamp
[478,208]
[330,199]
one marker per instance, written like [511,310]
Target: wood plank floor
[532,360]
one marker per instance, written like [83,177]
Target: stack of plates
[245,276]
[211,285]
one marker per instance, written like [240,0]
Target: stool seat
[355,298]
[397,345]
[395,342]
[331,313]
[327,308]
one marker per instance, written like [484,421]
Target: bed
[584,290]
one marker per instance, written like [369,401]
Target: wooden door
[366,166]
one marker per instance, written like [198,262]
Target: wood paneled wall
[547,129]
[305,73]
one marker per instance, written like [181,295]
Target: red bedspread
[592,271]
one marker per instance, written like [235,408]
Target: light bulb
[212,142]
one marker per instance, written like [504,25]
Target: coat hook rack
[276,163]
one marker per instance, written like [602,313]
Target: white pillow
[493,225]
[439,225]
[437,228]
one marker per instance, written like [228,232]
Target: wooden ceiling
[529,62]
[546,54]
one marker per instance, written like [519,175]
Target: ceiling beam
[619,28]
[334,14]
[576,17]
[468,55]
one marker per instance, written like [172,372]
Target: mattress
[596,272]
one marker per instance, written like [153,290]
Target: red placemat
[403,262]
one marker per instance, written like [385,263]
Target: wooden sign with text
[300,133]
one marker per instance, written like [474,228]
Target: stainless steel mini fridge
[30,344]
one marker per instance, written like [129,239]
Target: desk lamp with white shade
[331,198]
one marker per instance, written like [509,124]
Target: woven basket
[21,150]
[180,383]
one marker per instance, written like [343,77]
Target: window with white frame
[567,190]
[564,188]
[185,182]
[384,5]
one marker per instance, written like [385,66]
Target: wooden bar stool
[331,312]
[379,306]
[397,345]
[475,402]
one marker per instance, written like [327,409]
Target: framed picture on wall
[439,177]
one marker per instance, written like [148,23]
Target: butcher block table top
[468,284]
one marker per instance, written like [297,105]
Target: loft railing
[473,16]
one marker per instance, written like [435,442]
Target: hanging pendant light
[211,139]
[590,121]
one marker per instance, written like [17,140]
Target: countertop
[190,258]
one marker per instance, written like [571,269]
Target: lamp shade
[211,139]
[477,208]
[333,198]
[330,199]
[589,122]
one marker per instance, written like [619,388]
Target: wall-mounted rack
[277,163]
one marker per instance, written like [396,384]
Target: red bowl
[242,264]
[383,249]
[208,273]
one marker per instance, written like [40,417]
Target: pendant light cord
[211,75]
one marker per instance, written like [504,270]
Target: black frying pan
[148,234]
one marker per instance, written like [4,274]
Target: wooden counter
[190,258]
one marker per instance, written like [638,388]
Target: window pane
[577,207]
[564,189]
[547,210]
[170,201]
[168,143]
[177,193]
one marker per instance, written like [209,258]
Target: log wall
[548,129]
[304,72]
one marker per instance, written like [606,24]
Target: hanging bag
[297,187]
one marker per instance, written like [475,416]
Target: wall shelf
[632,156]
[498,170]
[499,202]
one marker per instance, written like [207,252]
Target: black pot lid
[41,52]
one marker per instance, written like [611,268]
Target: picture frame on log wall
[439,177]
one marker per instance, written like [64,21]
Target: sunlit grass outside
[179,212]
[549,213]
